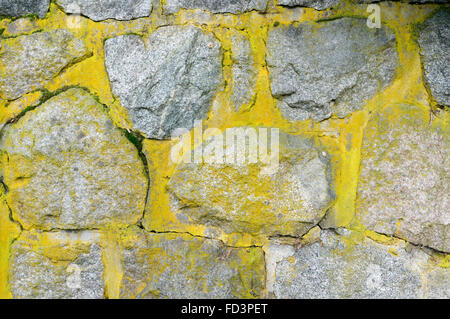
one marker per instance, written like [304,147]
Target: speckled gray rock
[215,6]
[329,68]
[316,4]
[19,8]
[168,83]
[434,41]
[288,196]
[68,167]
[244,71]
[57,265]
[403,184]
[183,266]
[28,62]
[348,266]
[108,9]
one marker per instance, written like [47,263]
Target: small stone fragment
[215,6]
[316,4]
[20,8]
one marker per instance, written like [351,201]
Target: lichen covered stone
[403,184]
[434,41]
[28,62]
[287,198]
[332,67]
[347,266]
[167,83]
[108,9]
[66,166]
[215,6]
[56,265]
[184,266]
[19,8]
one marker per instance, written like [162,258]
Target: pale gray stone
[19,8]
[329,68]
[244,71]
[70,267]
[343,266]
[316,4]
[99,10]
[403,184]
[28,62]
[215,6]
[184,266]
[434,41]
[68,167]
[169,82]
[285,197]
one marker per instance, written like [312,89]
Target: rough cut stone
[329,68]
[28,62]
[403,184]
[56,265]
[108,9]
[288,198]
[168,83]
[244,71]
[316,4]
[183,266]
[434,41]
[342,266]
[19,8]
[66,166]
[215,6]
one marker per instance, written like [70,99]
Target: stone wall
[92,205]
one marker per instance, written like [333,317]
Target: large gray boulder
[66,166]
[434,41]
[348,265]
[56,265]
[28,62]
[215,6]
[403,183]
[287,196]
[332,67]
[108,9]
[19,8]
[184,266]
[167,83]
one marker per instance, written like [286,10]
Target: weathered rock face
[28,62]
[183,266]
[19,8]
[316,4]
[288,199]
[168,83]
[56,265]
[108,9]
[434,41]
[404,177]
[336,267]
[331,68]
[66,166]
[215,6]
[244,71]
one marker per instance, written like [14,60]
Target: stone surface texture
[108,9]
[183,266]
[404,177]
[68,167]
[288,199]
[18,8]
[434,41]
[167,83]
[340,266]
[215,6]
[343,64]
[316,4]
[28,62]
